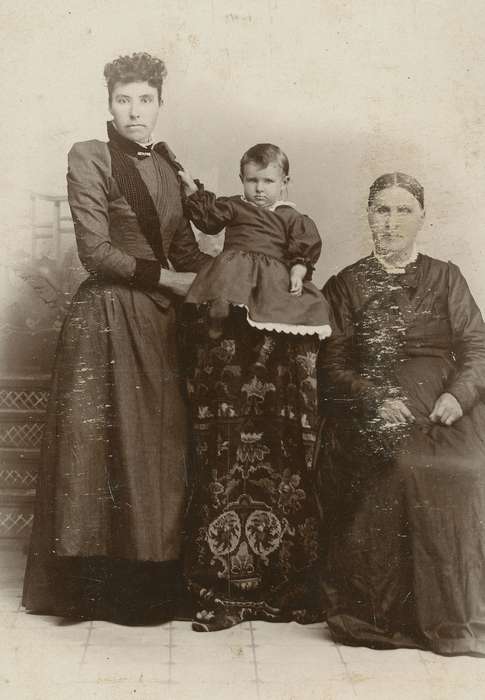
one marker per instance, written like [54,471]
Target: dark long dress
[253,524]
[112,486]
[405,506]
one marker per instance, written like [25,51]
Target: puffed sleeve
[209,213]
[304,243]
[184,252]
[88,194]
[468,383]
[342,388]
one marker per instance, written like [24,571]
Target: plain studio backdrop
[349,89]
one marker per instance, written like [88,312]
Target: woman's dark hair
[137,68]
[263,154]
[397,180]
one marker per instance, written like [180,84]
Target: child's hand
[297,274]
[189,185]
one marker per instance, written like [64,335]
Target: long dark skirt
[406,513]
[112,484]
[253,524]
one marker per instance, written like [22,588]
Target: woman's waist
[97,285]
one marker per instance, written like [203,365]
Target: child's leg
[218,312]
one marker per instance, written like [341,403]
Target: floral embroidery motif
[224,533]
[264,532]
[256,391]
[253,395]
[291,496]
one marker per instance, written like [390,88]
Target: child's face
[263,186]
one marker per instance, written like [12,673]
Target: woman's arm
[341,384]
[87,187]
[185,254]
[187,259]
[468,383]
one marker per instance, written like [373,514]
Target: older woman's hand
[176,282]
[395,412]
[446,410]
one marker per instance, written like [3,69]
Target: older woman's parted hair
[397,180]
[138,68]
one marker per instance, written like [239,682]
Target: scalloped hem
[290,328]
[293,329]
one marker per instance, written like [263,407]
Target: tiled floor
[44,658]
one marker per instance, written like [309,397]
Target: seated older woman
[402,458]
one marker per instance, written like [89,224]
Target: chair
[60,222]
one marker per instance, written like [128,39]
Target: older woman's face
[395,219]
[135,108]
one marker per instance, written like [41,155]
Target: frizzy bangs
[139,67]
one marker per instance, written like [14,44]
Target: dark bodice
[109,237]
[382,321]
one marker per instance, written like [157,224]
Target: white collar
[278,203]
[397,269]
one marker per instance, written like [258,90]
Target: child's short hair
[263,154]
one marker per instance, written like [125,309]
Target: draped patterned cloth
[253,532]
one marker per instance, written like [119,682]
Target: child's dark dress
[261,245]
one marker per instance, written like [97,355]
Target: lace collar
[278,203]
[397,269]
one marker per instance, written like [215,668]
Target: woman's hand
[395,412]
[297,275]
[176,282]
[188,182]
[446,410]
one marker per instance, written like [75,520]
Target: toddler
[270,250]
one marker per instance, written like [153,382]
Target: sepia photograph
[242,346]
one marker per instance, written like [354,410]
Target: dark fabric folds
[147,273]
[113,478]
[253,270]
[112,483]
[136,193]
[405,505]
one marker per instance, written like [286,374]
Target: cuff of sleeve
[466,398]
[195,195]
[147,273]
[308,264]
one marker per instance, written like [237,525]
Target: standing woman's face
[135,108]
[395,219]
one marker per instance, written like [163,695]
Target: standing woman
[403,454]
[111,490]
